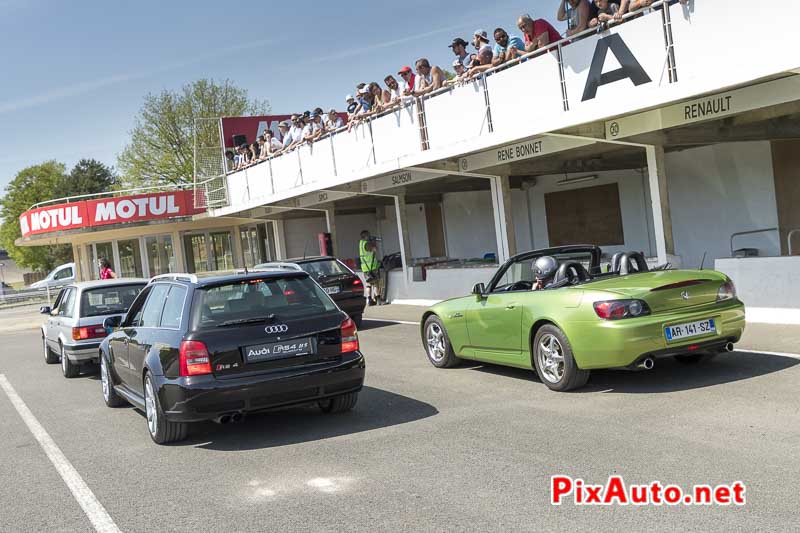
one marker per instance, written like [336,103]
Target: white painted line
[762,352]
[94,510]
[391,321]
[423,303]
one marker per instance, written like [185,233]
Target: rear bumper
[620,343]
[206,397]
[353,305]
[79,353]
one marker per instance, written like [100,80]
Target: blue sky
[75,73]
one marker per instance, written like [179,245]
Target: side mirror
[112,322]
[45,309]
[479,289]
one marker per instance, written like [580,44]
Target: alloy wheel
[551,358]
[150,407]
[435,342]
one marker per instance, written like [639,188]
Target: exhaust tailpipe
[729,347]
[224,419]
[646,364]
[237,417]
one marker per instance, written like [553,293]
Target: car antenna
[702,262]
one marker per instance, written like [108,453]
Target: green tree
[31,185]
[88,176]
[161,149]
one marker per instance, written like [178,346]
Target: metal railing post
[562,80]
[333,155]
[271,176]
[299,166]
[488,104]
[668,43]
[372,143]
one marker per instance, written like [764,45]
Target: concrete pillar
[280,239]
[402,235]
[77,258]
[330,220]
[238,252]
[503,219]
[177,250]
[659,198]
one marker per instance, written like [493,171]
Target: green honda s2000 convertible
[560,312]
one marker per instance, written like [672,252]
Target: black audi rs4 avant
[215,348]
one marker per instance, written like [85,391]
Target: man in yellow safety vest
[368,254]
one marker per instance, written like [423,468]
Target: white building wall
[469,224]
[417,230]
[348,233]
[718,190]
[301,236]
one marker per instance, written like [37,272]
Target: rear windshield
[256,299]
[322,269]
[108,300]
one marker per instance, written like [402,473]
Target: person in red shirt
[536,33]
[409,78]
[105,269]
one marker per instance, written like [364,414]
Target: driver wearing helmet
[544,270]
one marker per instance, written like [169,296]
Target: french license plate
[692,329]
[278,350]
[332,290]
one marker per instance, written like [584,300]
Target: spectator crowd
[472,59]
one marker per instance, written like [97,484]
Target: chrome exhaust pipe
[729,347]
[237,417]
[224,419]
[646,364]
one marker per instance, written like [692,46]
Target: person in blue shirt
[505,47]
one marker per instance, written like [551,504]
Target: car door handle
[511,306]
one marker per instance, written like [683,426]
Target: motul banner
[105,211]
[252,127]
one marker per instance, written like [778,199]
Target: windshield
[108,300]
[252,300]
[321,269]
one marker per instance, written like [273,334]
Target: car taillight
[349,336]
[357,285]
[194,359]
[90,332]
[726,292]
[618,309]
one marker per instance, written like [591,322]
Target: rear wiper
[268,318]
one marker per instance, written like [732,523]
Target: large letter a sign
[629,66]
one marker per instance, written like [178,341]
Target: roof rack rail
[175,276]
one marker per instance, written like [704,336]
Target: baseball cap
[363,90]
[458,41]
[285,124]
[348,97]
[404,69]
[482,34]
[457,63]
[332,110]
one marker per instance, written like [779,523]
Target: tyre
[437,344]
[161,430]
[49,357]
[553,360]
[338,404]
[68,368]
[358,319]
[695,358]
[110,396]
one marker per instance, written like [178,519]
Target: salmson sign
[104,211]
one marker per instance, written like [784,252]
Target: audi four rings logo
[278,328]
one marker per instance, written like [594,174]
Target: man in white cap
[351,105]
